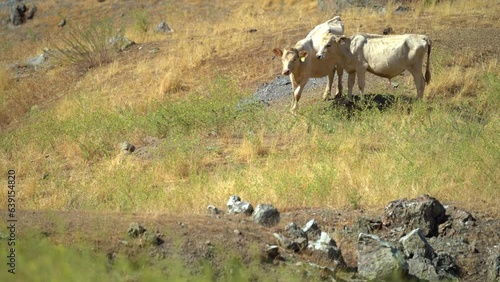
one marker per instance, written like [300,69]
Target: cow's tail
[427,68]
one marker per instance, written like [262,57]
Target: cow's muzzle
[286,72]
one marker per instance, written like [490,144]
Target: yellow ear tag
[303,59]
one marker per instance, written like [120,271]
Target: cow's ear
[303,55]
[277,52]
[341,39]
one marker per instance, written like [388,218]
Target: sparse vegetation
[62,135]
[213,144]
[89,46]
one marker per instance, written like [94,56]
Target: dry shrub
[91,45]
[172,82]
[455,82]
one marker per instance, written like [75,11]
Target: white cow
[383,55]
[300,66]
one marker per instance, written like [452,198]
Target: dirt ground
[192,236]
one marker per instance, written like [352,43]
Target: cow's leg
[340,72]
[296,95]
[329,85]
[294,87]
[350,84]
[361,81]
[418,78]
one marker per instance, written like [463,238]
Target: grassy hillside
[175,97]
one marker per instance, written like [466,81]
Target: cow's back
[388,56]
[334,25]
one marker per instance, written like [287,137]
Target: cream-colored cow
[383,55]
[300,63]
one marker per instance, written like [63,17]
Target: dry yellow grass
[282,166]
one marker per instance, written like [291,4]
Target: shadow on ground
[371,101]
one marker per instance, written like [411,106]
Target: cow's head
[291,58]
[329,43]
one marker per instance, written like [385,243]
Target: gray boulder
[17,14]
[415,245]
[379,261]
[446,266]
[236,206]
[493,262]
[312,229]
[326,246]
[423,262]
[266,215]
[423,212]
[295,239]
[423,269]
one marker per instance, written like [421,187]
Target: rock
[366,225]
[446,266]
[493,264]
[38,60]
[272,252]
[120,43]
[388,30]
[151,238]
[31,12]
[378,260]
[294,232]
[17,14]
[421,255]
[312,229]
[236,206]
[296,239]
[327,246]
[266,215]
[127,147]
[164,27]
[423,269]
[402,9]
[62,23]
[213,210]
[456,245]
[459,218]
[296,245]
[415,245]
[423,212]
[135,230]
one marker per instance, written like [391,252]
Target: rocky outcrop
[379,260]
[493,262]
[423,212]
[266,215]
[236,206]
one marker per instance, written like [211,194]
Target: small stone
[213,210]
[272,252]
[127,147]
[164,27]
[135,230]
